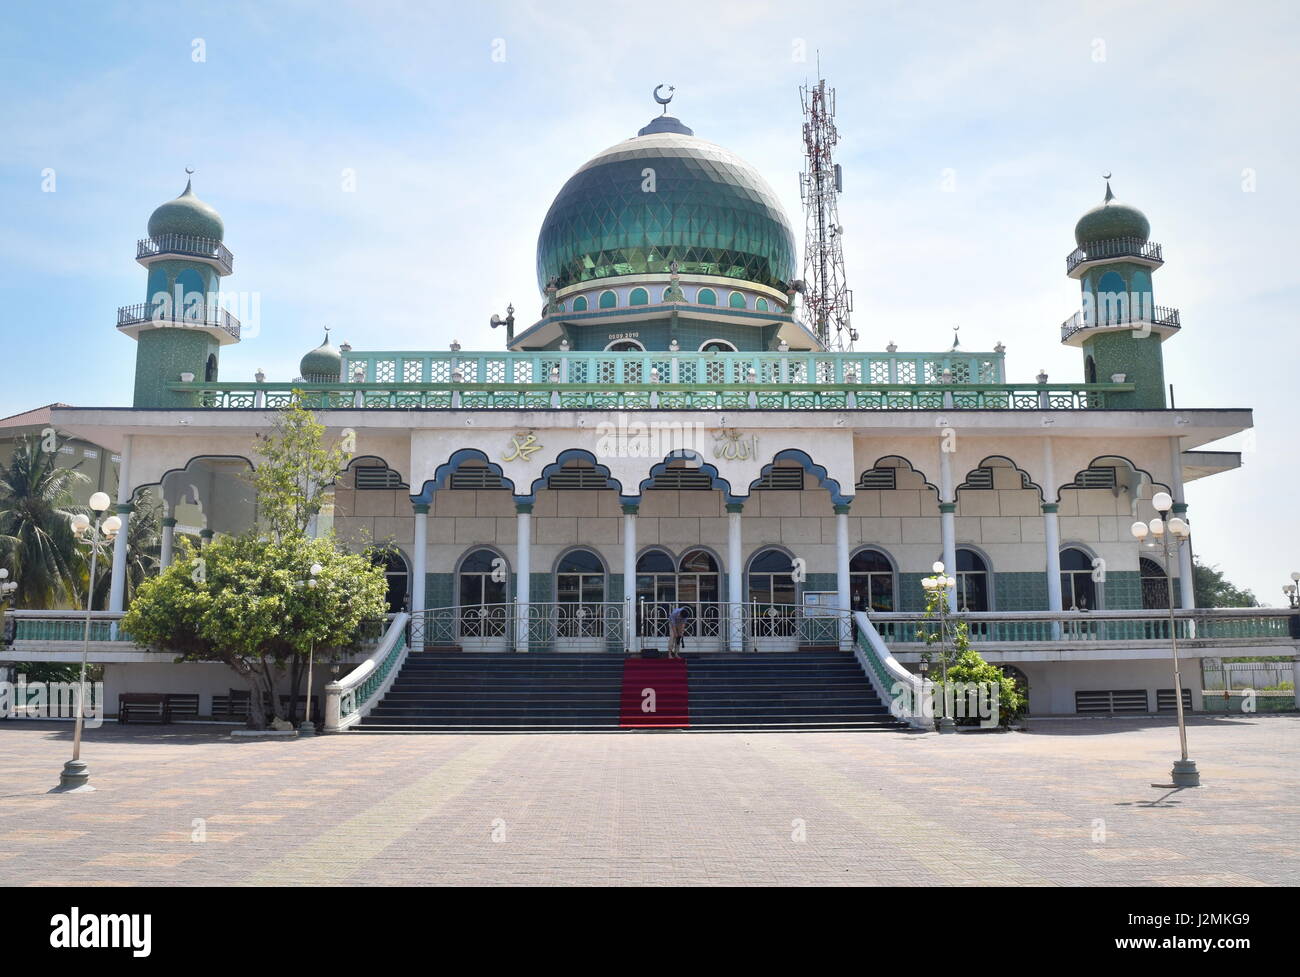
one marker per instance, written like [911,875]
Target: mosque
[669,431]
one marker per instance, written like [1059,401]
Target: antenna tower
[827,299]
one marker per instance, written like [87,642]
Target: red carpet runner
[655,694]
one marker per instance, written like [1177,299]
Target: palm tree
[36,544]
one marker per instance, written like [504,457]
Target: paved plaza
[1068,803]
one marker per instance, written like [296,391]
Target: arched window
[397,576]
[1089,370]
[625,346]
[772,594]
[717,346]
[699,589]
[484,594]
[580,304]
[706,296]
[580,594]
[1155,588]
[1112,300]
[737,301]
[761,305]
[608,300]
[1078,589]
[871,582]
[656,591]
[210,369]
[972,581]
[639,296]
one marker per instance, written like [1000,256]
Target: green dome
[187,214]
[324,364]
[1110,220]
[709,210]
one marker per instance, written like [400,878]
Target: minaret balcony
[1160,319]
[185,246]
[1143,252]
[214,320]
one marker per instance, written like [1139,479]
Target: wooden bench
[131,705]
[182,705]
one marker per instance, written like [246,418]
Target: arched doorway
[580,580]
[397,575]
[483,600]
[871,582]
[773,600]
[1078,588]
[973,590]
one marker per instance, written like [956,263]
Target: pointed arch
[804,460]
[442,474]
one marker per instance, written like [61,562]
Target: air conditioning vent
[475,478]
[369,477]
[1111,701]
[577,478]
[781,480]
[684,480]
[880,479]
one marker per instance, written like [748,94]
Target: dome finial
[661,100]
[1109,194]
[189,188]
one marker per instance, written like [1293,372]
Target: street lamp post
[307,727]
[938,586]
[99,536]
[1161,528]
[1292,591]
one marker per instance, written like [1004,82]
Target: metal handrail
[349,698]
[1120,247]
[196,315]
[189,245]
[1160,315]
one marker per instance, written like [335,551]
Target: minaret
[180,326]
[1119,328]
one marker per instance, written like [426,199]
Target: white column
[523,570]
[419,574]
[735,577]
[630,640]
[168,543]
[1052,545]
[117,585]
[842,572]
[1186,580]
[948,519]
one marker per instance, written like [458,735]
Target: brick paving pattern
[1068,803]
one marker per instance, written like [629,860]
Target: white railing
[905,693]
[349,698]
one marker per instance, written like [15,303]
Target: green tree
[36,543]
[1212,589]
[240,600]
[297,469]
[964,664]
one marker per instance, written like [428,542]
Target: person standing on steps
[677,630]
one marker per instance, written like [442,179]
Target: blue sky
[458,153]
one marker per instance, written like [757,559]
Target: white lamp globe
[99,501]
[1162,501]
[316,568]
[4,574]
[1139,530]
[80,523]
[1296,576]
[1157,526]
[111,525]
[937,568]
[1178,527]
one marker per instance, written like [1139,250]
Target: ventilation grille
[980,478]
[475,478]
[879,478]
[577,478]
[782,480]
[1096,478]
[1167,702]
[1127,700]
[683,479]
[376,477]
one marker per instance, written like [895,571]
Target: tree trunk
[296,671]
[256,710]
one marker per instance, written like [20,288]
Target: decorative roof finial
[955,330]
[1109,195]
[661,100]
[189,172]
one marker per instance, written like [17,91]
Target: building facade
[669,432]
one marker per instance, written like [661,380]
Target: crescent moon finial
[661,100]
[189,170]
